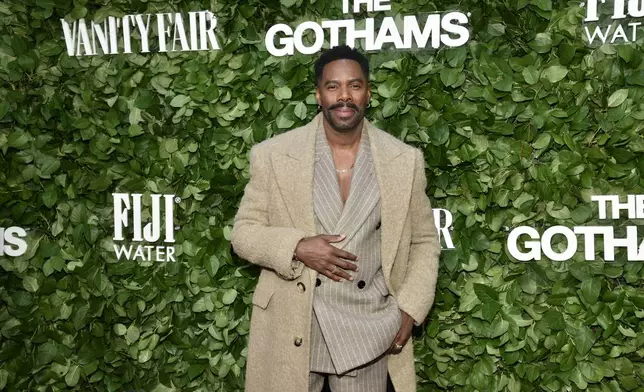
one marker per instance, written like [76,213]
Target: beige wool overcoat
[276,211]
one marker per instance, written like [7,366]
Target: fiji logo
[622,27]
[128,213]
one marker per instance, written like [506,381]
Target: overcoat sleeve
[416,293]
[252,237]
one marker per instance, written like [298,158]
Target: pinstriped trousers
[371,377]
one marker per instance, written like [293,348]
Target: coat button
[298,341]
[301,287]
[318,282]
[378,225]
[361,284]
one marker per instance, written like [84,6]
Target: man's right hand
[317,253]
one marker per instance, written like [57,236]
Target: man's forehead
[343,68]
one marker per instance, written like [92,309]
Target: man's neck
[344,140]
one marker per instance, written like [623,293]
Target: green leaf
[283,92]
[300,110]
[199,305]
[531,74]
[590,289]
[486,293]
[18,139]
[171,145]
[617,98]
[50,196]
[449,76]
[212,265]
[120,329]
[582,337]
[4,108]
[288,3]
[392,87]
[555,73]
[542,141]
[390,108]
[542,43]
[229,296]
[545,5]
[145,355]
[47,352]
[134,130]
[132,334]
[72,376]
[30,284]
[628,332]
[179,101]
[554,320]
[4,376]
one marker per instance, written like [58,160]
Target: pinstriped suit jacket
[353,322]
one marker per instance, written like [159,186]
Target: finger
[343,274]
[331,275]
[333,238]
[345,264]
[344,254]
[339,272]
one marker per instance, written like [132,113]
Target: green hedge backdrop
[519,127]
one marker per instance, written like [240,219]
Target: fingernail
[351,278]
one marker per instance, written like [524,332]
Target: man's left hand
[403,335]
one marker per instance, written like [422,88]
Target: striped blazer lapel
[363,194]
[327,200]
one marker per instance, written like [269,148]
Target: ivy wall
[520,127]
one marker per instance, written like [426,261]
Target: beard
[341,124]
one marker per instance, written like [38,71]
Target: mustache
[344,105]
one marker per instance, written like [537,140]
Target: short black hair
[342,52]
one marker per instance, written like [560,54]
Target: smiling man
[336,215]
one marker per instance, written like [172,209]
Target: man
[336,214]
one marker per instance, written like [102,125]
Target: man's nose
[345,94]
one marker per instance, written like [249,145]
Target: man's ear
[317,95]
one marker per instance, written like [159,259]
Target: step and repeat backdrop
[125,128]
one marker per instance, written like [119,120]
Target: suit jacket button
[378,225]
[298,341]
[361,284]
[318,282]
[301,287]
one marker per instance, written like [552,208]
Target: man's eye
[331,87]
[355,86]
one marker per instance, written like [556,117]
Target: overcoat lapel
[394,171]
[293,164]
[293,168]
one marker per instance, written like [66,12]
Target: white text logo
[417,32]
[174,32]
[128,210]
[616,29]
[12,242]
[542,244]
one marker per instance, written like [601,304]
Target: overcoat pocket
[263,294]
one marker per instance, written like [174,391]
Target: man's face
[343,93]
